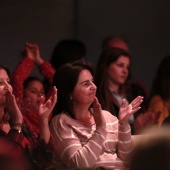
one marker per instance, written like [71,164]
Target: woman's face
[85,90]
[3,80]
[118,71]
[33,92]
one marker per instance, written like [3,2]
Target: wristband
[16,130]
[17,124]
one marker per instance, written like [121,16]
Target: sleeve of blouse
[125,144]
[17,137]
[21,73]
[15,143]
[44,152]
[70,150]
[40,152]
[47,71]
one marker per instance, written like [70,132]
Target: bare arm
[44,112]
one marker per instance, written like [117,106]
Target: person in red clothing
[19,144]
[28,90]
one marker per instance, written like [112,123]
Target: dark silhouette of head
[66,51]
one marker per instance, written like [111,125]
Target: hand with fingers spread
[97,114]
[46,108]
[44,112]
[126,111]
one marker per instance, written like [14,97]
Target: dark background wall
[44,22]
[146,25]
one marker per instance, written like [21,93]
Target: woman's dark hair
[6,69]
[65,80]
[107,57]
[29,80]
[161,83]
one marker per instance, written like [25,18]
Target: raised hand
[11,106]
[97,114]
[126,111]
[46,108]
[32,52]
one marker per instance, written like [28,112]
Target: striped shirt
[82,146]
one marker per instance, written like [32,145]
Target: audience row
[78,116]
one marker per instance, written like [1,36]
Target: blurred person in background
[160,91]
[111,78]
[137,87]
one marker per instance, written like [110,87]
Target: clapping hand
[46,108]
[11,106]
[97,114]
[32,51]
[126,111]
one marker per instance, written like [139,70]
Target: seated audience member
[86,136]
[111,78]
[67,50]
[152,150]
[27,89]
[23,147]
[136,86]
[160,91]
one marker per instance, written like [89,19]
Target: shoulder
[60,118]
[62,122]
[62,126]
